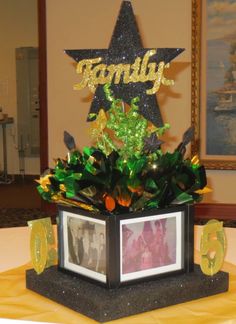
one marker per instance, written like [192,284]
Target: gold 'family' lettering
[141,70]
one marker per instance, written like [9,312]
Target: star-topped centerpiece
[125,205]
[125,170]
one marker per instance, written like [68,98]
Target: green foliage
[126,165]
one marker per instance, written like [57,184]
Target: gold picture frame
[214,152]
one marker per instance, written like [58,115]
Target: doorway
[21,192]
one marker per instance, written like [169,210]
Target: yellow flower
[44,182]
[203,191]
[195,160]
[99,124]
[62,187]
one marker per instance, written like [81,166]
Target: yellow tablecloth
[16,302]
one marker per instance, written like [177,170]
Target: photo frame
[99,247]
[213,84]
[151,245]
[84,245]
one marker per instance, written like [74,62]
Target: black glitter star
[187,138]
[69,141]
[152,143]
[124,48]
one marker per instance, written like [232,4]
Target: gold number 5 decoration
[42,240]
[212,247]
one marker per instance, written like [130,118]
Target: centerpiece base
[104,304]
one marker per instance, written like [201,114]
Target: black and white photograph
[151,245]
[85,245]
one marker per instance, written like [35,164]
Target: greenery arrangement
[125,170]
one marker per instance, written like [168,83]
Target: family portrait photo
[148,244]
[86,244]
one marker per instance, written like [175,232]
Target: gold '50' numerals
[212,247]
[42,241]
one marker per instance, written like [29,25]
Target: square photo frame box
[111,266]
[117,250]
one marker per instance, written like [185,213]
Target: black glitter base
[104,305]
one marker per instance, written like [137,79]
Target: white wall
[18,28]
[87,24]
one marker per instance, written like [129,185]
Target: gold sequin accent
[69,202]
[42,240]
[98,125]
[38,246]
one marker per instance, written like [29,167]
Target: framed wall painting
[214,82]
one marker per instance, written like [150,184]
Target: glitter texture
[212,247]
[42,241]
[125,47]
[105,305]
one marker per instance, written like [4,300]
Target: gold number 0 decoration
[212,247]
[43,253]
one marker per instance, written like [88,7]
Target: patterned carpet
[20,202]
[15,217]
[19,195]
[226,223]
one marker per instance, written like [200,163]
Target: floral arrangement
[125,170]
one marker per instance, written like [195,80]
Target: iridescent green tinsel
[125,170]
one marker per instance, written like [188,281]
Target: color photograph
[150,245]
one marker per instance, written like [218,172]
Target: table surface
[16,302]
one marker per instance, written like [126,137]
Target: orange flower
[110,203]
[138,190]
[124,200]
